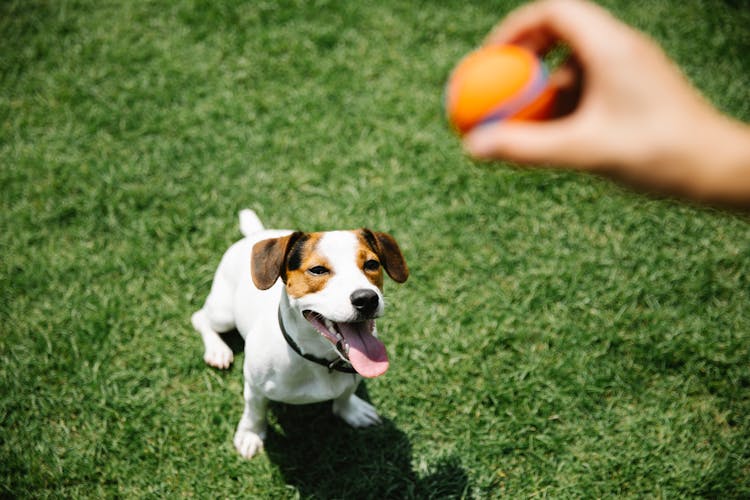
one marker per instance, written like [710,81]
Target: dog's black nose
[365,301]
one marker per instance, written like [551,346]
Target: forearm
[715,160]
[694,153]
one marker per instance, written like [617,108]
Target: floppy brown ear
[269,260]
[389,253]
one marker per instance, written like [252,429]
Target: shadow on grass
[234,340]
[323,457]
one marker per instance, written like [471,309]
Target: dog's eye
[318,270]
[372,265]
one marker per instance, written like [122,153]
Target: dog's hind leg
[217,353]
[216,316]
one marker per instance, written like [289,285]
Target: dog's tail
[249,222]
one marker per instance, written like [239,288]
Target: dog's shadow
[323,457]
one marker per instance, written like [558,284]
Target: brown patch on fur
[301,282]
[367,253]
[388,253]
[269,257]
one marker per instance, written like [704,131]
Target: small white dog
[306,304]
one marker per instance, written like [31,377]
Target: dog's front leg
[355,411]
[251,431]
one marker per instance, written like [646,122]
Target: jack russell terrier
[306,305]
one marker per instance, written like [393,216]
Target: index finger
[539,26]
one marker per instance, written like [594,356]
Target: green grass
[558,337]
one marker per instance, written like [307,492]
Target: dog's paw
[247,443]
[218,356]
[356,412]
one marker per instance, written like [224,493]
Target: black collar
[337,364]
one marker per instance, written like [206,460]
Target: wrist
[719,161]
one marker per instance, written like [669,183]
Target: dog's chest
[304,383]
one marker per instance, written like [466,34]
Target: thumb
[536,143]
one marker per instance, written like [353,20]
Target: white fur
[339,248]
[272,370]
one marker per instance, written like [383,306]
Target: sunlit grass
[558,336]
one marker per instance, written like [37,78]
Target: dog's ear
[269,260]
[389,253]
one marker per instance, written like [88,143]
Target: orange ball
[498,82]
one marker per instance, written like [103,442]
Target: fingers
[575,137]
[547,143]
[540,25]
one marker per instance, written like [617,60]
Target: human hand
[632,114]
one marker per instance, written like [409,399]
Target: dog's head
[335,281]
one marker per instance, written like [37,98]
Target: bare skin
[629,112]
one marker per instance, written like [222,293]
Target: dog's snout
[365,301]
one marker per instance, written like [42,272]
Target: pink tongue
[366,353]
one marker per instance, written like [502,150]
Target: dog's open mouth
[355,342]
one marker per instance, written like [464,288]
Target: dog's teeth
[342,346]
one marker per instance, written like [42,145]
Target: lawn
[559,336]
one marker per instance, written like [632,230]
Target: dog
[306,305]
